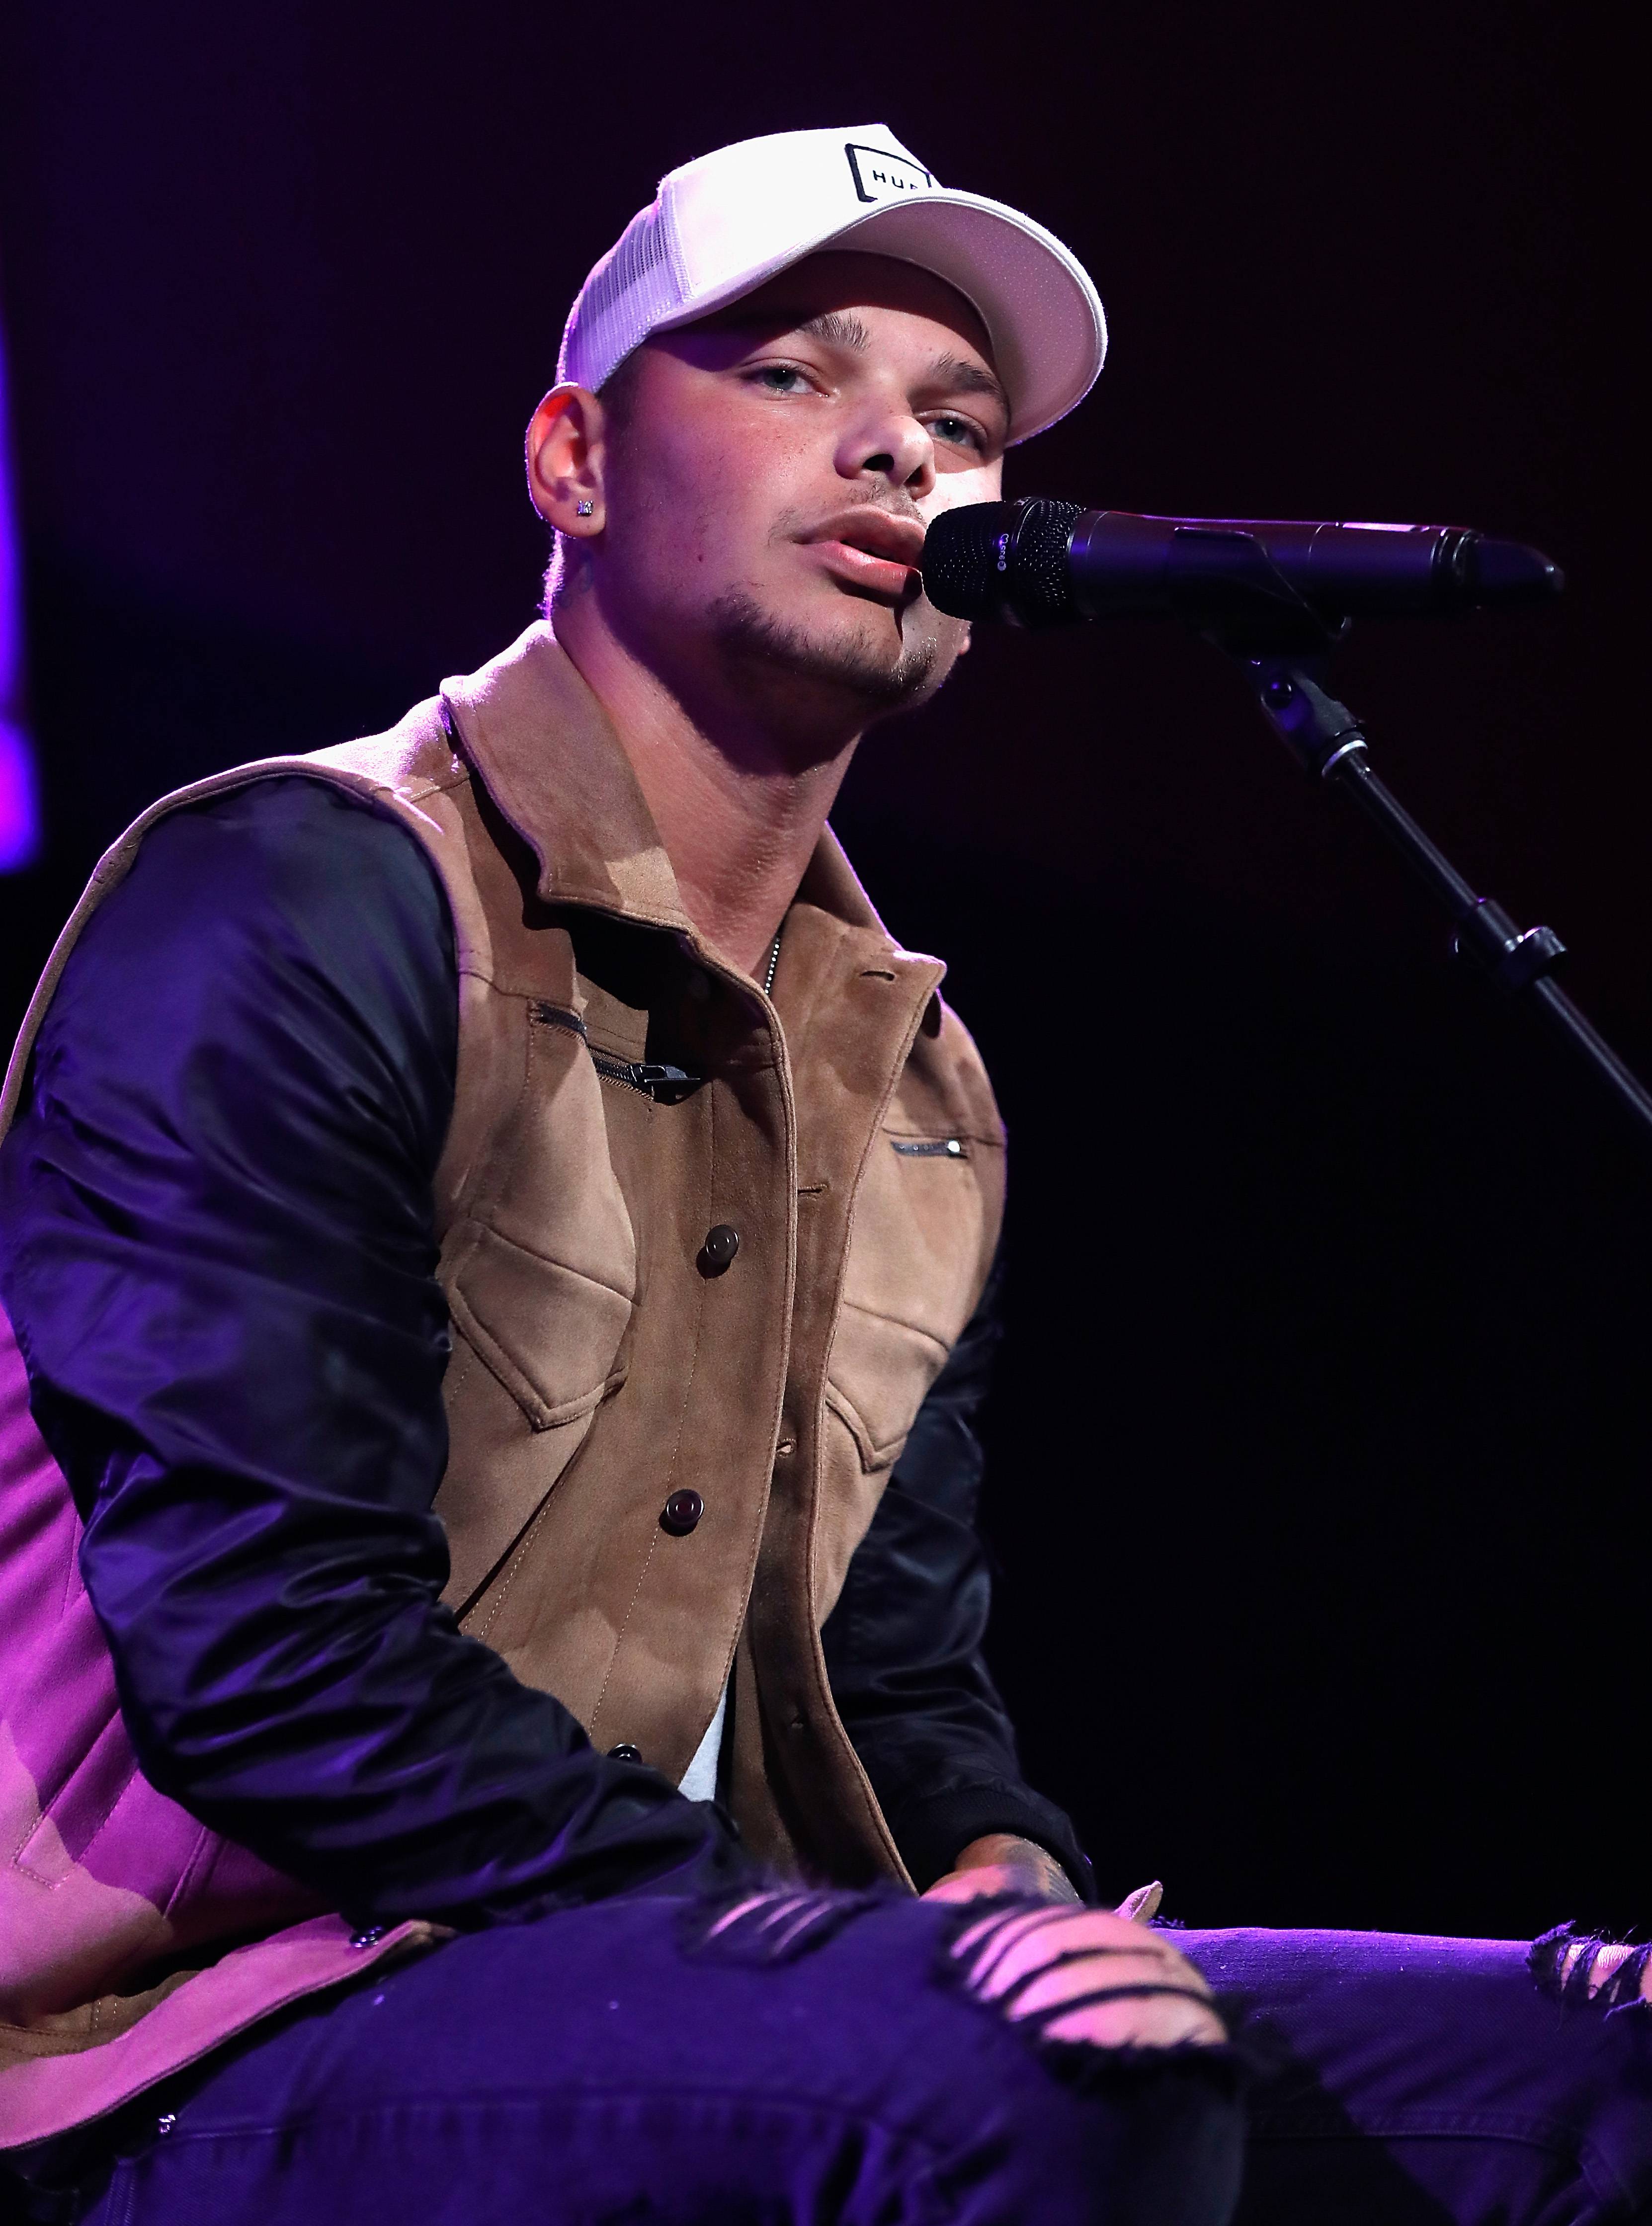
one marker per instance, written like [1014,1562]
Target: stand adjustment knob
[1515,961]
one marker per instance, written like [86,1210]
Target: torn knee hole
[773,1926]
[1066,1975]
[1578,1966]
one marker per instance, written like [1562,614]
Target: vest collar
[544,749]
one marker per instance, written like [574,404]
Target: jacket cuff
[932,1832]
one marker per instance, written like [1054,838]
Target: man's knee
[1135,2137]
[1578,1966]
[1085,2055]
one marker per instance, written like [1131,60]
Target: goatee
[750,635]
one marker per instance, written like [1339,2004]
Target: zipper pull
[651,1076]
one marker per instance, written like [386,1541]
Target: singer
[499,1249]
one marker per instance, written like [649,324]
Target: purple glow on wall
[19,802]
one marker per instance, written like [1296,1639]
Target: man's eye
[779,377]
[956,432]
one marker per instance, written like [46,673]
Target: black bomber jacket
[183,1121]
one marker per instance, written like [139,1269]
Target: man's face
[770,473]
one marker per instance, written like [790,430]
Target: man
[501,1243]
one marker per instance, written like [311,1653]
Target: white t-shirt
[700,1778]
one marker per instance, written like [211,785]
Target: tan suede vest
[844,1128]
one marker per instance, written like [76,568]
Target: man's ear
[565,460]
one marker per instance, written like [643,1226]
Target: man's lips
[871,548]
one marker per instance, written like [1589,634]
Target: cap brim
[1042,313]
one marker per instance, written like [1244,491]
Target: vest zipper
[644,1075]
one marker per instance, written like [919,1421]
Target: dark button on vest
[719,1249]
[680,1512]
[624,1752]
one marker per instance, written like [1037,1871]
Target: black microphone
[1038,563]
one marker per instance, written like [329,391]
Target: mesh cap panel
[620,303]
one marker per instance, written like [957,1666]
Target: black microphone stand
[1013,559]
[1325,739]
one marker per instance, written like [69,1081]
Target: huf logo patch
[882,177]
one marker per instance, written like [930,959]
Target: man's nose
[893,447]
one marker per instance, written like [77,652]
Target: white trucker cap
[722,226]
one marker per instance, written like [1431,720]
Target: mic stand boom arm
[1326,738]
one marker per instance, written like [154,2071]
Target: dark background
[1318,1456]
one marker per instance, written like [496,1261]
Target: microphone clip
[1319,732]
[1237,598]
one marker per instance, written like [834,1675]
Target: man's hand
[999,1863]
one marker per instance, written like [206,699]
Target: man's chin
[873,655]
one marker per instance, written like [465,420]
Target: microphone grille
[961,553]
[1041,594]
[1002,560]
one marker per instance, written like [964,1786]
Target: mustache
[800,525]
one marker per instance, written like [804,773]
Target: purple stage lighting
[19,806]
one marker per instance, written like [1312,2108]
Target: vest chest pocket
[537,1349]
[542,1277]
[915,1265]
[554,1337]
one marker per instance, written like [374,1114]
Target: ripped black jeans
[1403,2080]
[827,2061]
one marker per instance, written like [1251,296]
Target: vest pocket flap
[872,1458]
[879,1374]
[553,1337]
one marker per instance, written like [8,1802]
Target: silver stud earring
[585,508]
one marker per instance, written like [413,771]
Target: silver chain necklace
[774,960]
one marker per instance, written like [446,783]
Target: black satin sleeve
[216,1246]
[903,1643]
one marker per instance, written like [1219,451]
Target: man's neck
[739,817]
